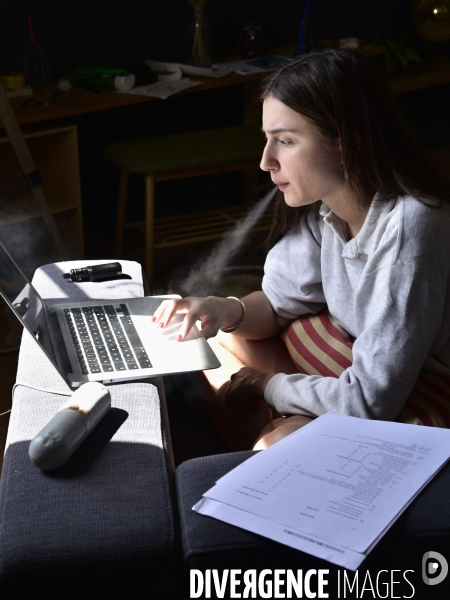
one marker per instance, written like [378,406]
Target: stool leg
[149,227]
[121,211]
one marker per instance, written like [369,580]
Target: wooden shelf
[55,153]
[33,214]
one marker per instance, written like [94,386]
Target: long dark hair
[343,93]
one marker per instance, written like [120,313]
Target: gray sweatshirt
[389,287]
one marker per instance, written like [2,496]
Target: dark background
[117,33]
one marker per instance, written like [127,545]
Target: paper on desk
[340,481]
[164,68]
[162,89]
[255,65]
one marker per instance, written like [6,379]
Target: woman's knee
[230,342]
[281,429]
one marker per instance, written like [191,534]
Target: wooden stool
[176,156]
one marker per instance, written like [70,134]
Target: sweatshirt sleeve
[400,319]
[292,272]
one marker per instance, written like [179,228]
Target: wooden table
[416,76]
[420,75]
[81,101]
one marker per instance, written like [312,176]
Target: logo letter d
[431,562]
[195,583]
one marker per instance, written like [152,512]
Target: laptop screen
[24,301]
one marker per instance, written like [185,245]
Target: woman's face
[300,163]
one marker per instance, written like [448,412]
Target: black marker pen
[94,272]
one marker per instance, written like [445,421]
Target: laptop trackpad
[148,329]
[166,354]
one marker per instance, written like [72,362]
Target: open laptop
[103,340]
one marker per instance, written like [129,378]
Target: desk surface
[81,101]
[416,76]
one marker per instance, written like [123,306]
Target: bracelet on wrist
[234,327]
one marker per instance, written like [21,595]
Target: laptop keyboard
[105,339]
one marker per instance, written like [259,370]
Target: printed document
[162,89]
[255,65]
[332,488]
[171,78]
[176,71]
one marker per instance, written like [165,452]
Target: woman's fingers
[210,311]
[207,310]
[211,325]
[165,311]
[208,315]
[188,322]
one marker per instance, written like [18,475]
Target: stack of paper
[256,64]
[175,71]
[333,488]
[171,78]
[162,89]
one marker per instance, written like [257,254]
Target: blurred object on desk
[351,43]
[200,49]
[25,91]
[431,19]
[252,39]
[12,81]
[162,89]
[91,77]
[35,64]
[396,52]
[174,71]
[259,64]
[14,84]
[369,49]
[170,78]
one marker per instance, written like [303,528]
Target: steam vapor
[206,275]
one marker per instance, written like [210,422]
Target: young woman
[362,227]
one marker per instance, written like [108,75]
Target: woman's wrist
[235,315]
[231,310]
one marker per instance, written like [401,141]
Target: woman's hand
[212,312]
[245,392]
